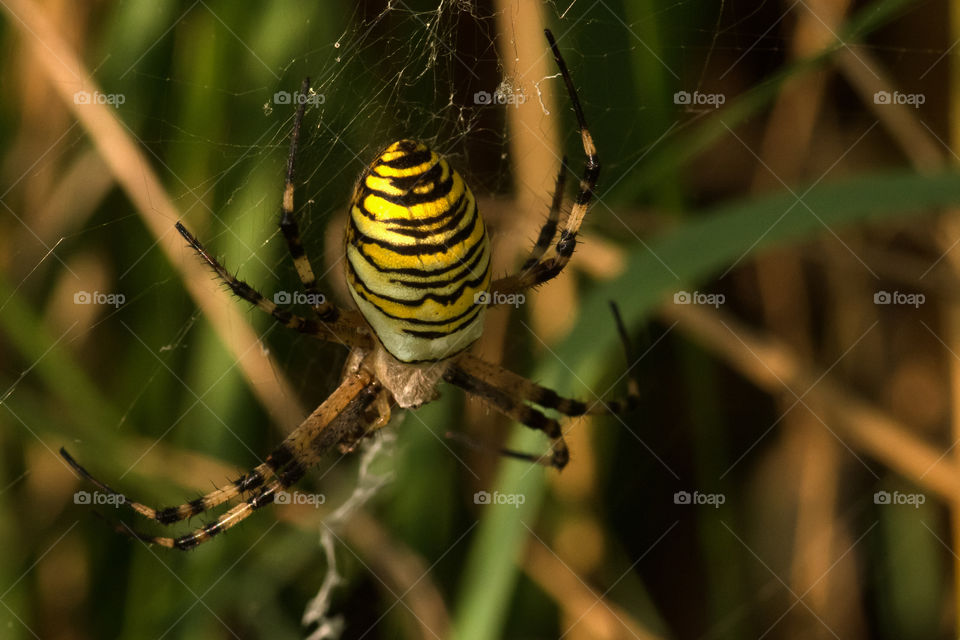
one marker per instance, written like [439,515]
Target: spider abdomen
[417,254]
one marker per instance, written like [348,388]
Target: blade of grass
[732,233]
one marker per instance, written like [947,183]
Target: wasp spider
[418,268]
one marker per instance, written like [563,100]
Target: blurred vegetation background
[776,218]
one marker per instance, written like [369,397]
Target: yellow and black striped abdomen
[418,257]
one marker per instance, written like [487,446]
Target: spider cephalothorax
[418,268]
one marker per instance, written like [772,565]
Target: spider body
[418,269]
[417,255]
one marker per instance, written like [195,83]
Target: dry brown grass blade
[591,611]
[536,150]
[810,451]
[405,572]
[132,170]
[867,77]
[774,367]
[952,313]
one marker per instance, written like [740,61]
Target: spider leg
[529,391]
[515,409]
[250,481]
[549,228]
[234,516]
[290,228]
[339,417]
[546,269]
[480,445]
[383,406]
[304,451]
[348,329]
